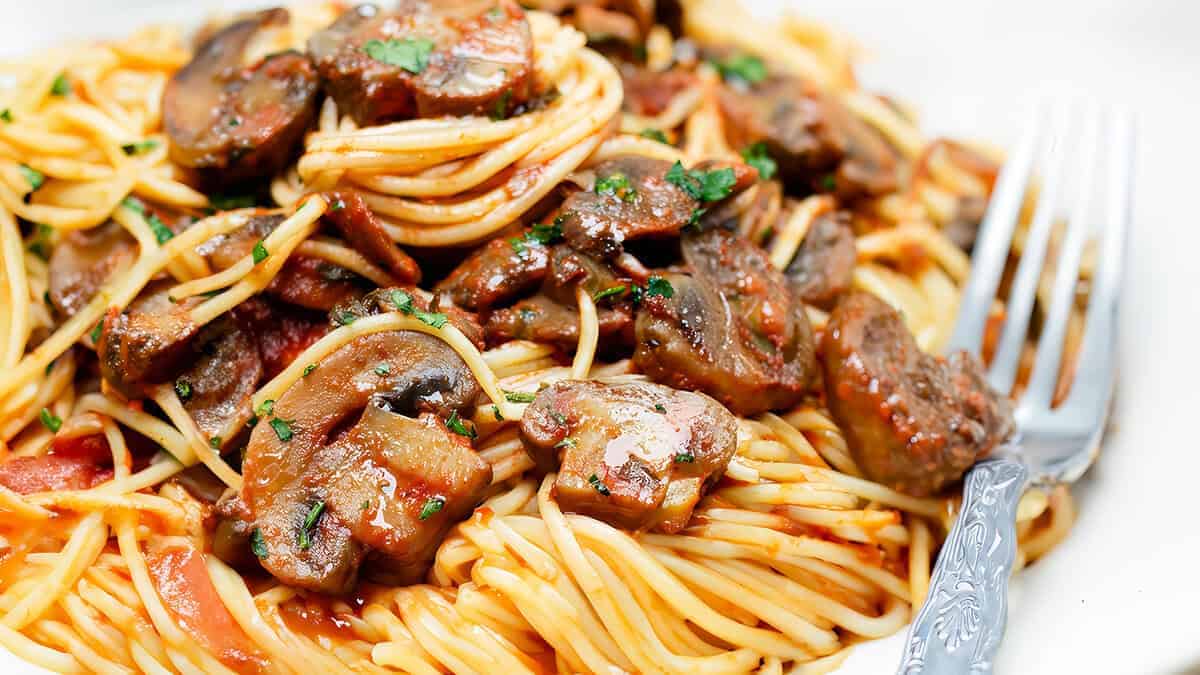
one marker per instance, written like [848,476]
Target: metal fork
[959,628]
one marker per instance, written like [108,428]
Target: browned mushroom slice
[84,260]
[233,123]
[427,59]
[300,464]
[497,273]
[638,197]
[824,266]
[350,214]
[869,166]
[912,421]
[145,343]
[732,329]
[635,455]
[217,388]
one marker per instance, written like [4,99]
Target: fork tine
[1092,387]
[1033,256]
[1042,383]
[995,237]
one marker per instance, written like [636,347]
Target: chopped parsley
[458,426]
[162,233]
[266,409]
[757,156]
[409,54]
[538,235]
[609,292]
[435,319]
[402,301]
[134,204]
[660,408]
[657,285]
[432,506]
[32,176]
[183,389]
[496,413]
[310,521]
[519,396]
[97,332]
[61,85]
[705,186]
[260,252]
[344,317]
[365,505]
[685,458]
[139,147]
[654,135]
[50,420]
[283,430]
[6,115]
[500,110]
[383,370]
[598,484]
[257,544]
[215,442]
[695,217]
[308,370]
[337,205]
[567,442]
[224,202]
[40,245]
[745,67]
[558,417]
[616,184]
[829,182]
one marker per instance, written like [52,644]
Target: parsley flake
[257,544]
[215,442]
[829,182]
[756,155]
[458,426]
[266,409]
[162,233]
[685,458]
[97,332]
[6,115]
[183,389]
[745,67]
[654,135]
[308,370]
[32,176]
[50,420]
[383,370]
[402,301]
[567,442]
[310,521]
[496,413]
[660,408]
[260,252]
[61,85]
[139,147]
[283,430]
[704,186]
[409,54]
[435,319]
[344,318]
[657,285]
[598,484]
[616,184]
[224,202]
[519,396]
[432,506]
[608,292]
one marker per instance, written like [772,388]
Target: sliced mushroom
[912,421]
[824,266]
[147,342]
[216,389]
[638,197]
[233,123]
[427,59]
[323,498]
[497,273]
[635,455]
[732,328]
[84,260]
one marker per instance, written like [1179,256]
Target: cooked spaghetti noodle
[788,560]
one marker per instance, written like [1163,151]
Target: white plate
[1121,594]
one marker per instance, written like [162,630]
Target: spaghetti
[788,560]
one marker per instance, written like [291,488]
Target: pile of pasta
[785,566]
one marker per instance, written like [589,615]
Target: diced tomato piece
[93,448]
[188,593]
[26,475]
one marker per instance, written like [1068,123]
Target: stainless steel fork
[959,628]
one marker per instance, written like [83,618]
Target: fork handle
[960,625]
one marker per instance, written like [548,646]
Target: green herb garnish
[266,409]
[344,317]
[308,370]
[567,442]
[432,506]
[257,544]
[215,442]
[383,370]
[97,332]
[61,85]
[616,184]
[744,67]
[50,420]
[609,292]
[139,147]
[685,458]
[757,156]
[519,396]
[496,413]
[458,426]
[6,115]
[657,285]
[598,484]
[260,252]
[402,301]
[283,430]
[654,135]
[409,54]
[435,319]
[223,202]
[183,389]
[32,176]
[162,233]
[660,408]
[310,521]
[829,182]
[705,186]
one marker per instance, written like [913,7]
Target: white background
[1123,594]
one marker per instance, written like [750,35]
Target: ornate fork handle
[962,621]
